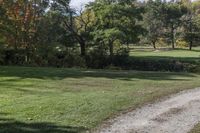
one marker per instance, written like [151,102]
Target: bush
[98,59]
[59,56]
[73,60]
[68,58]
[131,63]
[181,43]
[121,57]
[1,58]
[191,67]
[11,56]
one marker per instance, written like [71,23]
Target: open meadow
[50,100]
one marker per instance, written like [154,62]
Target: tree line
[51,33]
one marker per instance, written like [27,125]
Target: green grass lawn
[49,100]
[196,129]
[164,53]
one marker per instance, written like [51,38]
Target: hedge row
[100,60]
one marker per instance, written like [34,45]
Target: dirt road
[177,114]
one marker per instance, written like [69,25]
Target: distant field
[165,53]
[49,100]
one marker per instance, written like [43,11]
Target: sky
[79,3]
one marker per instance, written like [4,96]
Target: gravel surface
[177,114]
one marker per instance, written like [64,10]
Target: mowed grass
[50,100]
[165,53]
[196,129]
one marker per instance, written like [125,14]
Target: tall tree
[116,21]
[153,21]
[78,23]
[173,12]
[190,24]
[82,27]
[19,25]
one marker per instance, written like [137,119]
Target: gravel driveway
[177,114]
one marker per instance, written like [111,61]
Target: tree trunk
[111,49]
[191,44]
[173,37]
[127,44]
[82,44]
[154,44]
[83,50]
[27,59]
[16,38]
[191,31]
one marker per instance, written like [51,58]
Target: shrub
[98,58]
[181,43]
[16,57]
[121,57]
[73,59]
[155,65]
[68,58]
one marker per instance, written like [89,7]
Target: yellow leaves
[85,20]
[22,17]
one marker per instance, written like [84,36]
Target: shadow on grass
[14,126]
[16,74]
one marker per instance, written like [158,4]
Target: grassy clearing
[184,54]
[165,59]
[48,100]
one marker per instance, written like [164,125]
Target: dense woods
[51,33]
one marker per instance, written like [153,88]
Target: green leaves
[117,20]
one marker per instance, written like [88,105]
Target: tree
[190,24]
[82,28]
[78,23]
[20,22]
[116,22]
[153,21]
[173,12]
[51,32]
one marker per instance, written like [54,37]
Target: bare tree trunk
[111,49]
[191,31]
[16,37]
[83,50]
[191,44]
[154,44]
[173,37]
